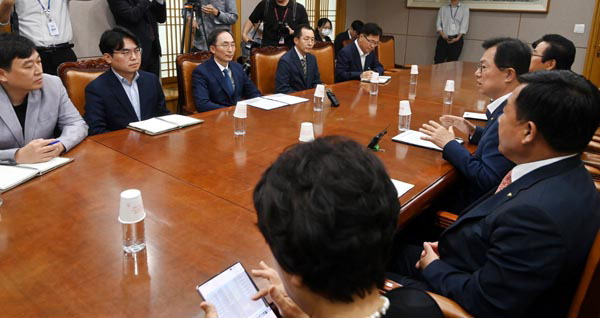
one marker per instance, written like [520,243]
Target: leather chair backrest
[264,67]
[77,75]
[386,52]
[585,303]
[186,63]
[346,42]
[324,53]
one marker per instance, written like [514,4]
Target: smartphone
[231,291]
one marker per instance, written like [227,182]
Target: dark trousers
[151,63]
[445,52]
[51,59]
[401,268]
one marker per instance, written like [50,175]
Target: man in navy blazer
[357,61]
[34,107]
[219,82]
[123,94]
[521,249]
[297,69]
[503,61]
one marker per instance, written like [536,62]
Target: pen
[54,142]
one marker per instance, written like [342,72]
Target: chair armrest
[449,308]
[444,219]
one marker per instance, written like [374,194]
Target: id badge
[53,28]
[281,41]
[453,28]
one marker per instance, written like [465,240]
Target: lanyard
[43,8]
[276,15]
[453,16]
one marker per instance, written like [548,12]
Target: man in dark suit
[503,61]
[297,69]
[357,61]
[352,32]
[552,52]
[219,82]
[141,18]
[123,94]
[520,250]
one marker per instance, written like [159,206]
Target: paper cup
[307,132]
[414,69]
[241,110]
[404,108]
[449,86]
[375,77]
[132,208]
[320,91]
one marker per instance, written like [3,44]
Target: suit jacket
[290,77]
[520,253]
[141,18]
[108,108]
[338,43]
[209,87]
[48,109]
[480,171]
[348,66]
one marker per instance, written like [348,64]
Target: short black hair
[371,29]
[298,30]
[114,39]
[328,211]
[14,46]
[564,106]
[322,22]
[560,49]
[510,53]
[357,25]
[212,37]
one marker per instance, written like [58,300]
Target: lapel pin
[509,194]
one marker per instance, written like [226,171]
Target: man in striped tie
[297,69]
[520,250]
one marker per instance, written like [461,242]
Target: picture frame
[541,6]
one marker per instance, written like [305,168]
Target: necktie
[228,85]
[303,63]
[505,181]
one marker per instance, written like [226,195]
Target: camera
[282,30]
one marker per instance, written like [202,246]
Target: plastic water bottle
[133,237]
[412,91]
[414,73]
[239,119]
[374,83]
[448,96]
[318,98]
[404,115]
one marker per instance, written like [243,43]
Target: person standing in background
[280,17]
[452,24]
[323,30]
[141,17]
[220,14]
[46,23]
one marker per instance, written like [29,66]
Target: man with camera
[212,14]
[280,18]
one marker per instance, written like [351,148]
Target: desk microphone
[374,144]
[332,98]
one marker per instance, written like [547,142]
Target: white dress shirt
[520,170]
[362,55]
[497,102]
[132,91]
[453,20]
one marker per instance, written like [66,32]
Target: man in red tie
[519,251]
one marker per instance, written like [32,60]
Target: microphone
[374,144]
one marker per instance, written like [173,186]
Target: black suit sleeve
[525,254]
[95,111]
[343,68]
[123,10]
[282,78]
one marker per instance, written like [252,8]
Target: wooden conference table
[60,241]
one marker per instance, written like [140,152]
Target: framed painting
[488,5]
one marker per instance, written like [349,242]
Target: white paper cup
[241,110]
[307,132]
[414,69]
[375,78]
[132,208]
[404,108]
[449,86]
[320,90]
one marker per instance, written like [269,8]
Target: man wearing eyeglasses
[552,52]
[502,62]
[297,69]
[220,82]
[355,61]
[123,94]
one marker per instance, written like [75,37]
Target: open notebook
[274,101]
[14,175]
[163,124]
[413,137]
[382,79]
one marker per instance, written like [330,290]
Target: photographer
[280,18]
[215,14]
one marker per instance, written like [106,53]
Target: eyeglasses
[371,42]
[226,45]
[481,67]
[128,52]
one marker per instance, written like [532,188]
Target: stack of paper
[382,79]
[402,187]
[274,101]
[478,116]
[14,175]
[413,137]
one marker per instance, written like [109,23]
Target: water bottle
[318,98]
[374,83]
[414,73]
[404,115]
[133,237]
[131,217]
[448,96]
[239,119]
[412,92]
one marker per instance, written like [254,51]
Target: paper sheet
[264,103]
[287,99]
[402,187]
[413,137]
[11,176]
[478,116]
[180,120]
[153,125]
[44,167]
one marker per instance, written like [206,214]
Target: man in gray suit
[215,14]
[34,107]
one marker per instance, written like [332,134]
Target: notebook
[413,137]
[478,116]
[163,124]
[382,79]
[14,175]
